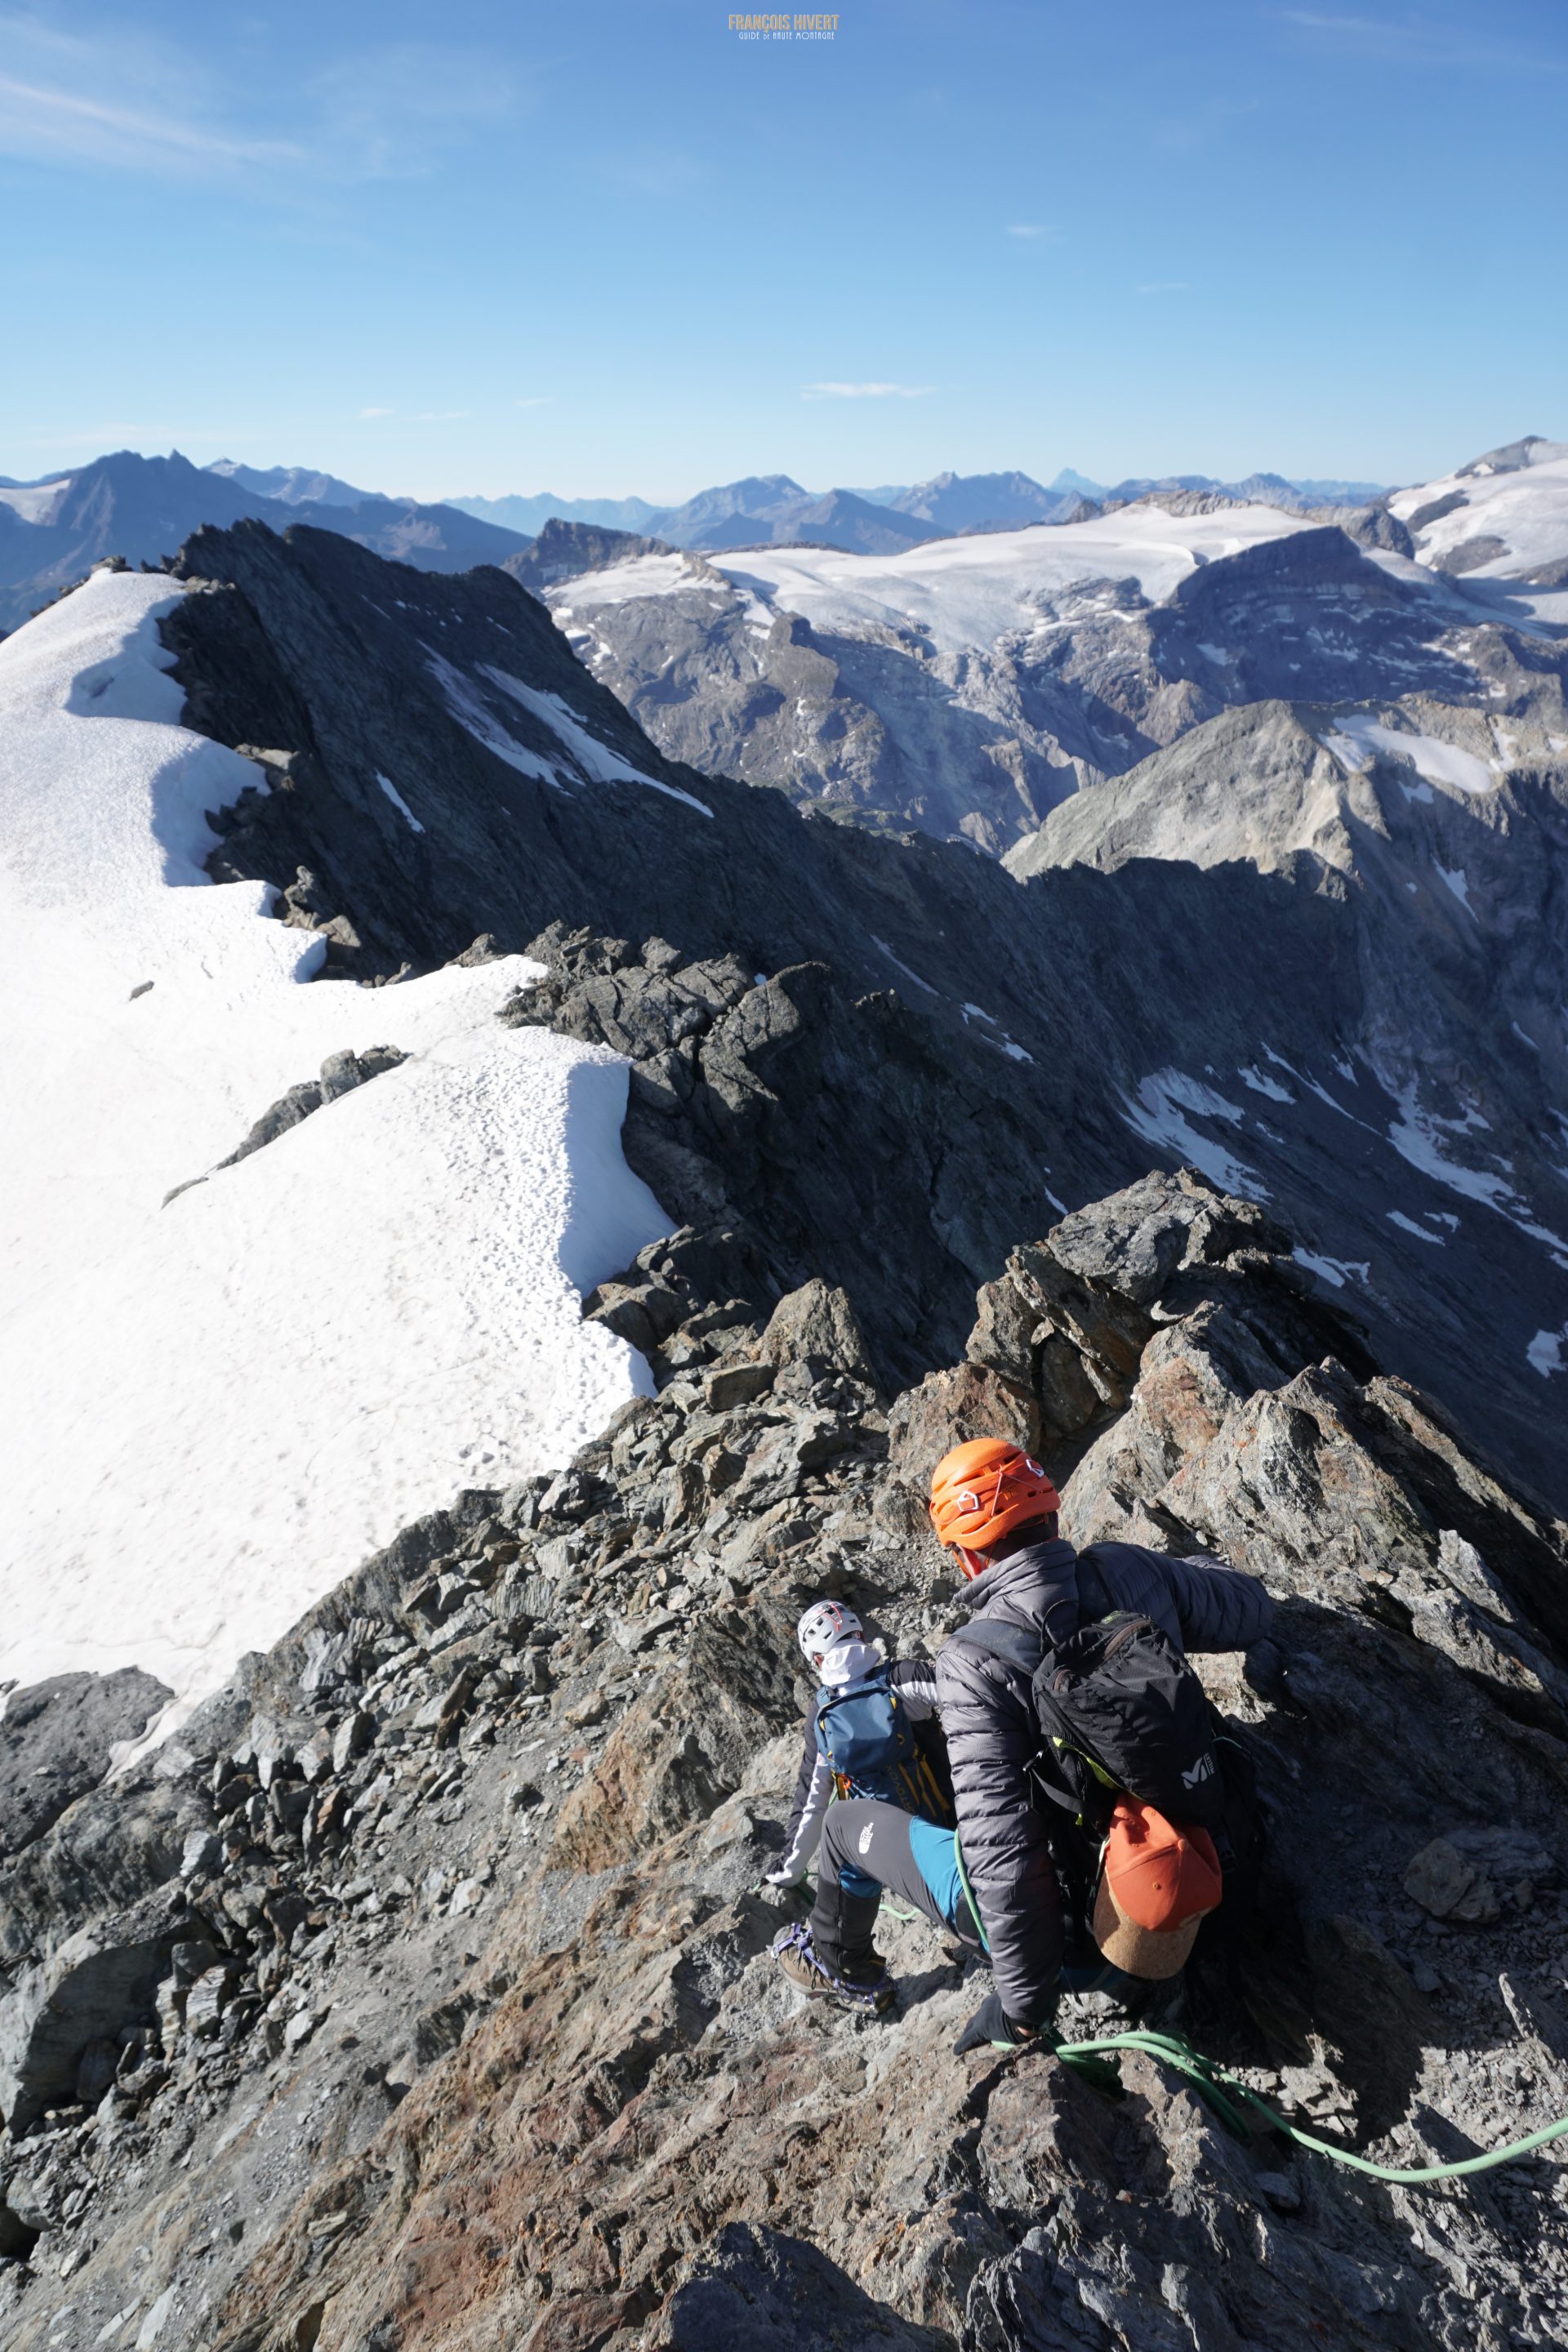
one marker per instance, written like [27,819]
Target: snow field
[216,1409]
[1527,509]
[35,501]
[964,591]
[1358,737]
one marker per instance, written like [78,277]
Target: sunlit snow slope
[1503,517]
[214,1409]
[967,592]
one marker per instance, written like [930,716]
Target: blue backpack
[869,1743]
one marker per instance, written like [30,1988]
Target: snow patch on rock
[1160,1113]
[399,802]
[1419,1137]
[1359,739]
[1337,1271]
[596,758]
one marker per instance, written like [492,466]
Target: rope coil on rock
[1226,2095]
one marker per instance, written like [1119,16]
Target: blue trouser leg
[868,1847]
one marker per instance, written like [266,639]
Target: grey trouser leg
[865,1850]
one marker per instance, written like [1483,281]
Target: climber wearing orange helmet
[983,1491]
[993,1507]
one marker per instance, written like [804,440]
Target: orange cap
[1157,1882]
[982,1491]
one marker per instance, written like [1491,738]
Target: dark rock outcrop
[467,2033]
[564,550]
[340,1074]
[57,1738]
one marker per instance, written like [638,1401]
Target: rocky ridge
[1088,1021]
[417,1994]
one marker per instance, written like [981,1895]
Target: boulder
[815,1325]
[1443,1884]
[949,1409]
[56,1742]
[759,2287]
[99,1980]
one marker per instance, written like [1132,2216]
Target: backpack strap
[1028,1652]
[1014,1642]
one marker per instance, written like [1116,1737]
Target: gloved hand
[783,1890]
[992,2024]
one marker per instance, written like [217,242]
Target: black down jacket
[991,1731]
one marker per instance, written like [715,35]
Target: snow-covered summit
[218,1403]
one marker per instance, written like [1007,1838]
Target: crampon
[793,1950]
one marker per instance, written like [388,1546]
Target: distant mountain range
[1267,489]
[143,509]
[967,699]
[774,510]
[53,530]
[297,486]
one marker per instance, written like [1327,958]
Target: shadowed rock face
[467,2035]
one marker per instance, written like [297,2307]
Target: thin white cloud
[1034,229]
[124,102]
[378,411]
[866,391]
[46,125]
[1409,38]
[391,113]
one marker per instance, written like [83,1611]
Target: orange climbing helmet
[982,1491]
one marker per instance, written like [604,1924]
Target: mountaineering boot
[862,1982]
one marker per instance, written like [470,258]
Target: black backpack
[1120,1712]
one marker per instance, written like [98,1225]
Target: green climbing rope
[1229,2098]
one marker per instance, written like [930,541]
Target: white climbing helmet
[824,1624]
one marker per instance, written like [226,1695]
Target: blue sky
[607,246]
